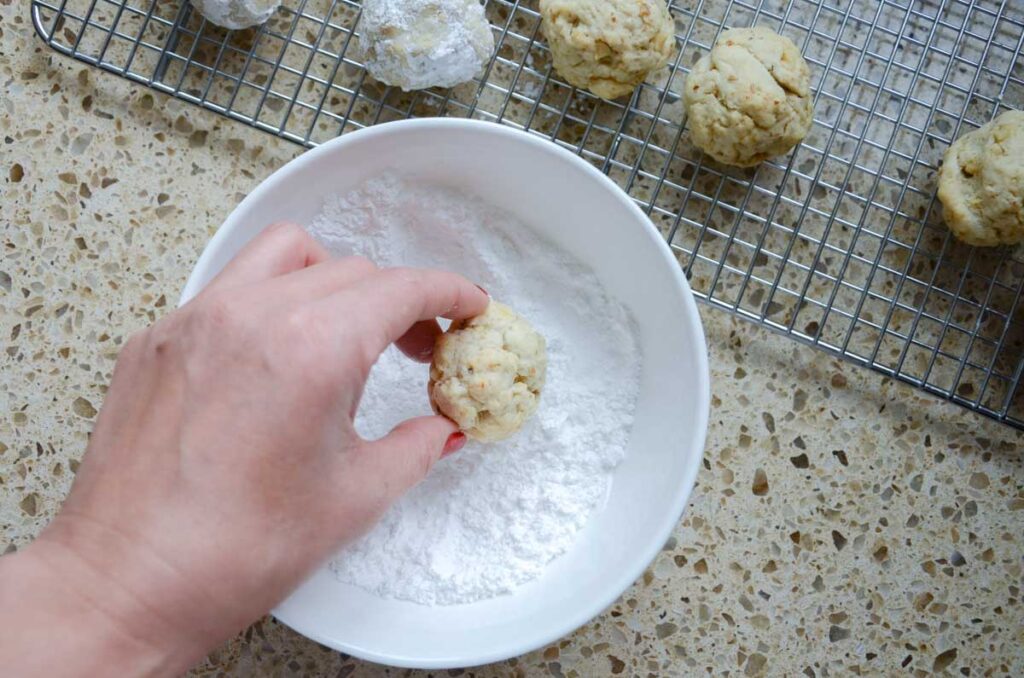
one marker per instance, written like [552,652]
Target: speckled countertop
[843,523]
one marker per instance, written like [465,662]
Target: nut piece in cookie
[488,372]
[749,99]
[981,183]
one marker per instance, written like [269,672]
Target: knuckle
[138,338]
[154,342]
[420,458]
[409,285]
[304,339]
[136,344]
[404,275]
[425,459]
[216,314]
[302,327]
[289,235]
[285,229]
[359,263]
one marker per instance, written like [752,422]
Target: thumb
[405,456]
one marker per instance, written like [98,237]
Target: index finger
[277,250]
[386,304]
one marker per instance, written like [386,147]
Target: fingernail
[483,290]
[455,442]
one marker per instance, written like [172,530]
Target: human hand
[224,466]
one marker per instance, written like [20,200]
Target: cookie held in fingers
[488,372]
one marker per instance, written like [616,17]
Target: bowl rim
[697,436]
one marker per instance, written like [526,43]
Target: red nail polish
[455,442]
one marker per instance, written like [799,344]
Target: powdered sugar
[237,14]
[490,517]
[415,44]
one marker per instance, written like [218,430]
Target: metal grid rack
[840,244]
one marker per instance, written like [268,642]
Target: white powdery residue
[236,14]
[416,44]
[491,517]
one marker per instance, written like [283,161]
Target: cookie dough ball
[749,99]
[608,46]
[237,14]
[416,44]
[488,372]
[981,183]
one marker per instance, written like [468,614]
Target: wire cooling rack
[840,244]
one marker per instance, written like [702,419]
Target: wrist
[52,629]
[65,615]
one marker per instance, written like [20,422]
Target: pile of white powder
[492,516]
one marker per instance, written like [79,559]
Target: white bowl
[580,209]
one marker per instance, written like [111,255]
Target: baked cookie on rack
[608,46]
[749,99]
[981,183]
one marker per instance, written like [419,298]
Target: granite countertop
[843,523]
